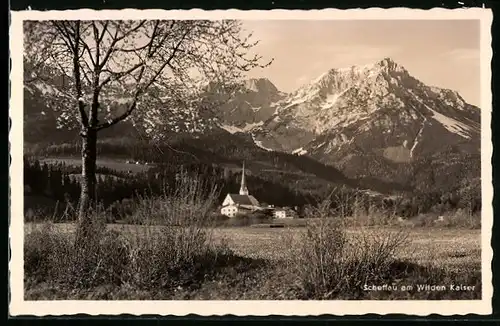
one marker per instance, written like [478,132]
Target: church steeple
[243,187]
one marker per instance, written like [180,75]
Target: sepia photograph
[229,162]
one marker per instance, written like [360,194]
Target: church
[242,203]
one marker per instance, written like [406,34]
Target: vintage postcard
[251,162]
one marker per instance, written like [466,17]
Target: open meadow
[110,163]
[441,246]
[265,264]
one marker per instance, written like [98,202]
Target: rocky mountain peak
[392,68]
[383,72]
[378,109]
[388,63]
[260,85]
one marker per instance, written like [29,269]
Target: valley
[177,159]
[372,128]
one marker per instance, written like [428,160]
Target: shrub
[179,251]
[180,248]
[219,219]
[463,218]
[174,256]
[101,259]
[45,253]
[459,218]
[328,262]
[322,247]
[189,202]
[248,219]
[50,255]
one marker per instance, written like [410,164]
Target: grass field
[114,164]
[443,256]
[451,248]
[444,247]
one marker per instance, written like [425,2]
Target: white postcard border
[18,306]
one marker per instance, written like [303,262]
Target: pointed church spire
[243,188]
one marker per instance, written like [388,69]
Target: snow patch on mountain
[251,85]
[295,102]
[450,124]
[417,138]
[46,89]
[331,99]
[299,151]
[248,127]
[258,143]
[320,145]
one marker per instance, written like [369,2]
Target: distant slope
[372,127]
[372,121]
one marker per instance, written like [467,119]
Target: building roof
[244,200]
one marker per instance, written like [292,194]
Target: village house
[242,203]
[284,212]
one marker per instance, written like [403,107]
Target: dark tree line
[60,183]
[217,148]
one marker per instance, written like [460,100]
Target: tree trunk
[87,181]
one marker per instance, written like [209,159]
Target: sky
[443,53]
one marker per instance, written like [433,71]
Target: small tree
[95,74]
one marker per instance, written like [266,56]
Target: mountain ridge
[365,121]
[378,109]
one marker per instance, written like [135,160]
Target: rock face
[250,106]
[372,121]
[359,117]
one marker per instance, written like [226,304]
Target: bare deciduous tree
[95,74]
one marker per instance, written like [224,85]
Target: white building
[242,203]
[280,213]
[284,213]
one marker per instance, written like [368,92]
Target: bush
[463,218]
[102,259]
[174,256]
[329,262]
[219,219]
[180,248]
[45,253]
[50,255]
[248,219]
[190,202]
[459,218]
[179,251]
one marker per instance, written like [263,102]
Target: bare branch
[157,69]
[133,105]
[76,72]
[66,36]
[116,39]
[118,75]
[104,30]
[119,118]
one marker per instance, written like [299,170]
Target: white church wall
[228,201]
[229,211]
[280,214]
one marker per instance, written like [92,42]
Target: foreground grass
[256,264]
[445,247]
